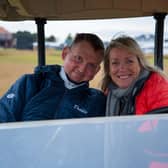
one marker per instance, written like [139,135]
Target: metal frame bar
[159,34]
[41,40]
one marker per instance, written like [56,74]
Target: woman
[132,86]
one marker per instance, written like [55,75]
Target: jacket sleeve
[13,101]
[153,96]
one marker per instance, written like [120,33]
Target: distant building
[6,38]
[146,42]
[48,45]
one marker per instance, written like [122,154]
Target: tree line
[25,39]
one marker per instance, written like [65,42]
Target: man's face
[81,62]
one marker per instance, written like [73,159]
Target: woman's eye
[114,63]
[130,61]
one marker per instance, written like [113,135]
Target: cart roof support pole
[159,32]
[41,40]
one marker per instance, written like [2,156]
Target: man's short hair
[92,39]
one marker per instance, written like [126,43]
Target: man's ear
[65,52]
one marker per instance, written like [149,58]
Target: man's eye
[77,58]
[92,66]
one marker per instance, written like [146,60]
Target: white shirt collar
[68,84]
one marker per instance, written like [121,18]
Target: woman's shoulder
[153,95]
[156,78]
[156,83]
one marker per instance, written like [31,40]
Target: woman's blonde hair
[128,43]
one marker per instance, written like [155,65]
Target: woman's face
[124,67]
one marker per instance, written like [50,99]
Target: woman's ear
[65,52]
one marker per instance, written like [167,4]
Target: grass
[28,56]
[15,63]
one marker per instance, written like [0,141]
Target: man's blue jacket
[43,96]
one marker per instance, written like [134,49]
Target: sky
[105,29]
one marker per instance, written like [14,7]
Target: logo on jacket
[10,96]
[80,109]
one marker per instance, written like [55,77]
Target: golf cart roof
[13,10]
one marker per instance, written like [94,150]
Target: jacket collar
[68,84]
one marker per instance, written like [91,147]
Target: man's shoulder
[96,93]
[38,74]
[28,77]
[47,68]
[28,81]
[156,80]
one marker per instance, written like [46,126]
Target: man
[59,92]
